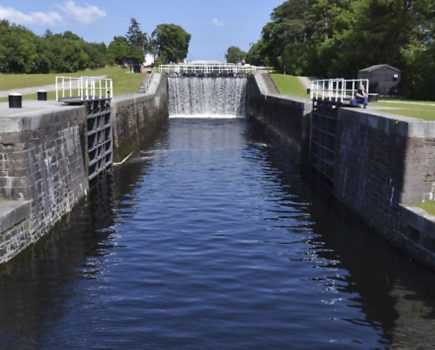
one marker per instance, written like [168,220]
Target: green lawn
[289,85]
[418,109]
[427,206]
[123,81]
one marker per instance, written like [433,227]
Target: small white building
[149,59]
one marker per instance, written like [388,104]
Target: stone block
[12,213]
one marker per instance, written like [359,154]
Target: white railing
[83,88]
[207,69]
[337,90]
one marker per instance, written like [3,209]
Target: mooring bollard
[15,100]
[42,95]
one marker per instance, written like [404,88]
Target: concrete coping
[419,212]
[128,97]
[31,115]
[15,94]
[12,213]
[405,126]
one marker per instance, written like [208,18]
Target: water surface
[202,241]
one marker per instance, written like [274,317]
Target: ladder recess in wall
[323,133]
[99,140]
[96,94]
[328,95]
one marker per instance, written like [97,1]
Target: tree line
[169,43]
[22,51]
[336,38]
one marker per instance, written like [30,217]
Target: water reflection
[396,294]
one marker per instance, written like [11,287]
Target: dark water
[202,242]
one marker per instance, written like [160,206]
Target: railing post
[323,90]
[57,90]
[353,89]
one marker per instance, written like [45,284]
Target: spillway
[215,97]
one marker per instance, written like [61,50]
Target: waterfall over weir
[207,97]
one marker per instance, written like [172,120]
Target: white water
[206,97]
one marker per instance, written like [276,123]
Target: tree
[69,54]
[21,51]
[18,49]
[97,54]
[171,42]
[256,56]
[135,36]
[119,49]
[294,40]
[137,42]
[235,55]
[136,56]
[286,37]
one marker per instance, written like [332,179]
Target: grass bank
[289,85]
[123,81]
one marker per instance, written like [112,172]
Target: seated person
[361,97]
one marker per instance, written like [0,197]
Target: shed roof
[378,66]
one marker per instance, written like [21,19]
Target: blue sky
[214,25]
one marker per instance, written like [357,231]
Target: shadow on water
[397,294]
[35,286]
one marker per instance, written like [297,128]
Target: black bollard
[15,100]
[42,95]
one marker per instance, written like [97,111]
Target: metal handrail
[83,88]
[207,69]
[337,90]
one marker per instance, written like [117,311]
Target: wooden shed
[383,79]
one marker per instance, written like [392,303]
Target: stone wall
[136,118]
[380,162]
[370,167]
[41,160]
[283,119]
[14,240]
[417,230]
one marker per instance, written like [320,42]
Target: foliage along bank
[336,38]
[22,51]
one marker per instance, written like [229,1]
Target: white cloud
[47,19]
[84,15]
[217,23]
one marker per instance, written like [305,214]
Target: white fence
[83,88]
[207,69]
[337,90]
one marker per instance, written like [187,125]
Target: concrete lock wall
[283,119]
[381,161]
[43,160]
[138,117]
